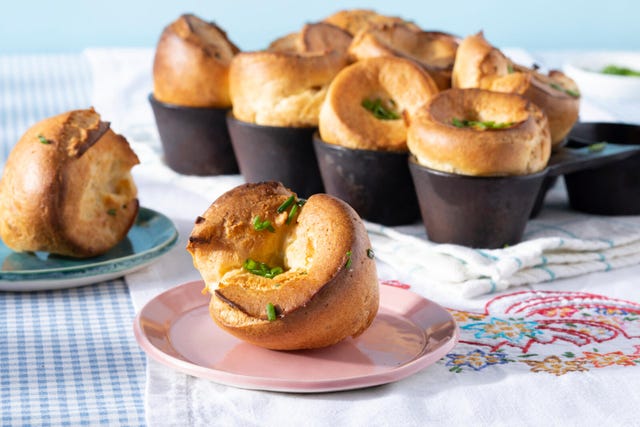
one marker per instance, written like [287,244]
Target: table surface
[69,357]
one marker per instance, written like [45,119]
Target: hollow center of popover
[381,106]
[286,265]
[478,109]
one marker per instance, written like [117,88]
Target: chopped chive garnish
[380,111]
[271,312]
[261,269]
[283,207]
[620,71]
[569,92]
[301,202]
[599,146]
[43,140]
[292,213]
[260,225]
[112,212]
[347,265]
[370,253]
[463,123]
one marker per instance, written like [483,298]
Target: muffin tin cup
[479,212]
[195,141]
[492,212]
[377,184]
[612,189]
[273,153]
[547,184]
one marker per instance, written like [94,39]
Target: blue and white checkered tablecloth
[67,357]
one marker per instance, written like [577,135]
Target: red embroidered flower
[602,360]
[559,312]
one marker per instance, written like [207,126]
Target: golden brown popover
[480,132]
[191,64]
[284,274]
[316,37]
[480,65]
[67,187]
[434,51]
[355,20]
[366,101]
[282,88]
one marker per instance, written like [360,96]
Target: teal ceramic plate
[152,235]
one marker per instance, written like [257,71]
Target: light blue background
[35,26]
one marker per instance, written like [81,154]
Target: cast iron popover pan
[611,189]
[276,153]
[376,183]
[492,212]
[195,141]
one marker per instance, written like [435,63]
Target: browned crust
[480,65]
[282,88]
[432,50]
[356,20]
[53,195]
[191,64]
[316,37]
[335,297]
[343,119]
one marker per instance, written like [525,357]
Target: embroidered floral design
[476,359]
[546,332]
[602,360]
[555,365]
[511,330]
[463,316]
[611,311]
[559,312]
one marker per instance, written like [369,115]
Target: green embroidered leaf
[568,354]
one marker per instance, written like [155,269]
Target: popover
[285,274]
[480,65]
[481,133]
[366,101]
[67,187]
[191,64]
[434,51]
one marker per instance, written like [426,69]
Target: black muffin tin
[195,141]
[492,212]
[276,153]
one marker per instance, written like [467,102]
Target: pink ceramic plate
[408,334]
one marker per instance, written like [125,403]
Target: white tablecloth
[570,356]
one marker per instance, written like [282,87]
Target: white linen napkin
[557,245]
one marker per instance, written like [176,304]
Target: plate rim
[302,386]
[72,276]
